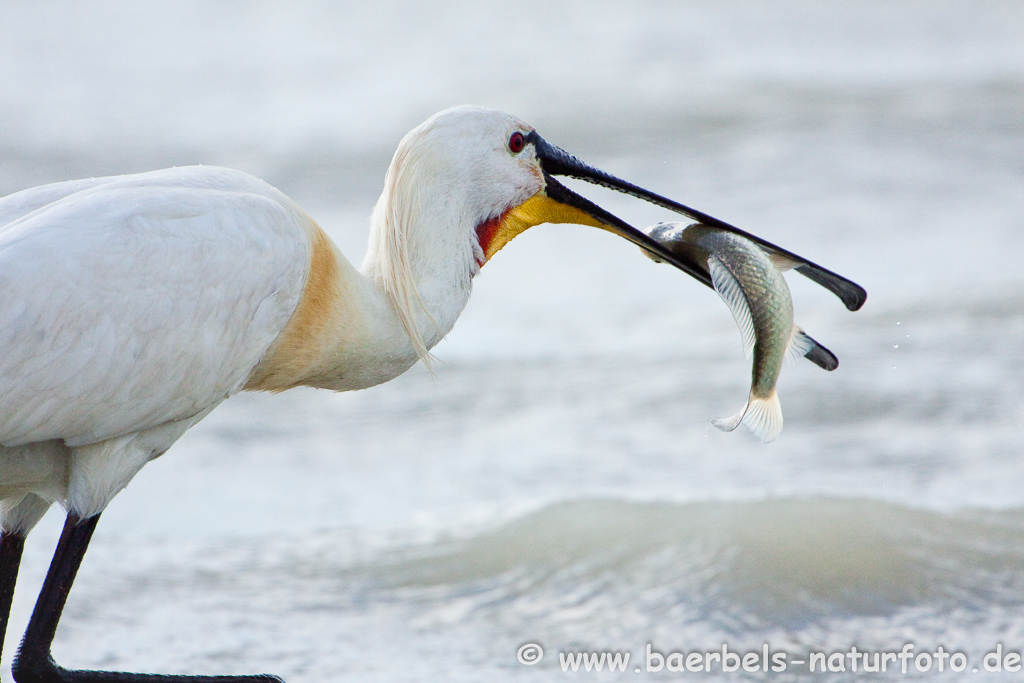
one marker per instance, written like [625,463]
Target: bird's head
[461,186]
[495,176]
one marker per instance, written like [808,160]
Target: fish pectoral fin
[728,287]
[802,344]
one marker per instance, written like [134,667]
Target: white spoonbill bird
[131,306]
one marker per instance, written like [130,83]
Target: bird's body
[131,306]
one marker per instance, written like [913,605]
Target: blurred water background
[556,481]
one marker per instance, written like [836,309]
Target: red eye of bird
[516,142]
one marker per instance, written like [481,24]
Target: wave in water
[773,561]
[802,574]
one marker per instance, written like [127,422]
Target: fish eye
[516,142]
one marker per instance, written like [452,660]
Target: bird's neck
[350,328]
[420,254]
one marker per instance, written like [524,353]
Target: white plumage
[149,296]
[131,306]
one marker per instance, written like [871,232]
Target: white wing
[20,204]
[129,302]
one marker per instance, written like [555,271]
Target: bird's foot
[44,670]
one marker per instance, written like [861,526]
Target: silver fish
[750,282]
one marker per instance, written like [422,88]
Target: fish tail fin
[802,344]
[727,424]
[762,416]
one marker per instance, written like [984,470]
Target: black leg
[34,664]
[12,544]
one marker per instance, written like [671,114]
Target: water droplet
[895,346]
[897,322]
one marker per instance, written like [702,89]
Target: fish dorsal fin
[732,294]
[802,344]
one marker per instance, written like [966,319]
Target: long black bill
[555,161]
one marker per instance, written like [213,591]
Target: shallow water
[556,480]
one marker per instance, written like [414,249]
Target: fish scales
[769,302]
